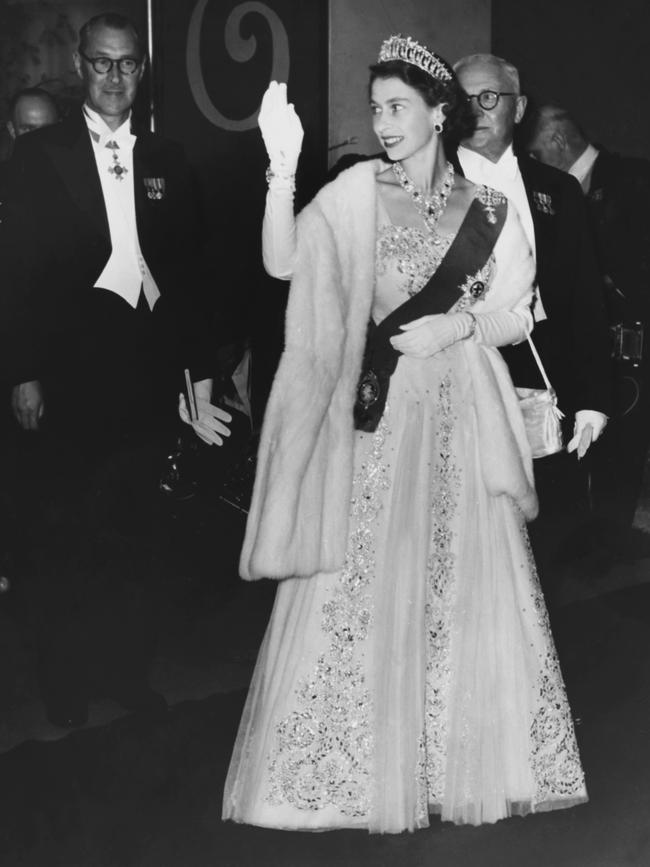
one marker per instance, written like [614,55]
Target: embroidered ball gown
[422,677]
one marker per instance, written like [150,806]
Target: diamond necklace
[430,207]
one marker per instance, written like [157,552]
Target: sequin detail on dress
[324,747]
[445,485]
[555,757]
[414,255]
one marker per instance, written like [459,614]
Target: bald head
[31,109]
[556,139]
[481,75]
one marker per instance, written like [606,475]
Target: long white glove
[430,334]
[588,426]
[281,130]
[282,133]
[503,327]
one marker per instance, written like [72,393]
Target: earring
[437,127]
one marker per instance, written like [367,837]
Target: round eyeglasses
[104,65]
[489,99]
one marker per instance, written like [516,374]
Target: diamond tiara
[404,48]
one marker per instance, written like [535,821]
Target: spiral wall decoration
[241,50]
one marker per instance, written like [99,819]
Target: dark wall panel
[213,60]
[590,57]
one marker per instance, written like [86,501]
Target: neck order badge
[116,169]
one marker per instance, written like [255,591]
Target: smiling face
[111,94]
[494,128]
[401,119]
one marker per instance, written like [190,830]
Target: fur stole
[298,521]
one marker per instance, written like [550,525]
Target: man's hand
[27,404]
[588,426]
[210,425]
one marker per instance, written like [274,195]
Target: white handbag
[542,415]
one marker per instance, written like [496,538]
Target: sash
[468,254]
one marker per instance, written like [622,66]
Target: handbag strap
[533,349]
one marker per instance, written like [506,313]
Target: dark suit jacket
[574,341]
[58,240]
[618,203]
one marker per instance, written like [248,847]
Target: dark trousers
[94,520]
[619,457]
[563,491]
[97,542]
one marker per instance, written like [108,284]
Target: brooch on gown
[155,188]
[490,199]
[368,389]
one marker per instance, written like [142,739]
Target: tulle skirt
[421,678]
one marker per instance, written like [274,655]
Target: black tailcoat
[618,203]
[92,512]
[617,200]
[65,332]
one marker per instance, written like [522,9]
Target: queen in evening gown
[417,674]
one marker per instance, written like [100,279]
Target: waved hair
[113,21]
[459,118]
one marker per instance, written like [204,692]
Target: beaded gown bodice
[405,259]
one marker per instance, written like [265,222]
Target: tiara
[404,48]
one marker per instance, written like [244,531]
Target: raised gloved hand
[281,130]
[430,334]
[588,426]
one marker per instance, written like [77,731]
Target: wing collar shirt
[126,271]
[505,177]
[583,167]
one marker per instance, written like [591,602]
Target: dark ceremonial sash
[468,254]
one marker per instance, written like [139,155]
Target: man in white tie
[571,331]
[111,310]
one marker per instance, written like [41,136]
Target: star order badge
[116,168]
[155,188]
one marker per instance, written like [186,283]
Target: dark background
[590,57]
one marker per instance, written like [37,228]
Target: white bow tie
[102,134]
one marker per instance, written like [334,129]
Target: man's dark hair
[38,92]
[114,21]
[459,118]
